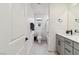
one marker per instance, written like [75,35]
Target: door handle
[26,39]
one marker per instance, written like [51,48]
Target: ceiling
[39,9]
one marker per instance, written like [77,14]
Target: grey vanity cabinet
[76,48]
[64,45]
[60,45]
[68,49]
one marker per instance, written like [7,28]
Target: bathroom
[39,29]
[40,12]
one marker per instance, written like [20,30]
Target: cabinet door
[76,52]
[68,41]
[76,45]
[68,50]
[58,50]
[18,21]
[5,27]
[60,46]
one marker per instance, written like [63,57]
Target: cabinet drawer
[60,37]
[68,50]
[76,52]
[76,45]
[69,42]
[62,50]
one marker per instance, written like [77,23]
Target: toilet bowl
[39,38]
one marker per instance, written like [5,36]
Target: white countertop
[73,37]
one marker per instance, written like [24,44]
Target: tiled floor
[40,49]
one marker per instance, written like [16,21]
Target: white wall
[57,11]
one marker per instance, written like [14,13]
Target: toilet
[39,38]
[38,31]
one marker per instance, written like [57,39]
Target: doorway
[41,19]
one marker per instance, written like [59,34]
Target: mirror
[73,16]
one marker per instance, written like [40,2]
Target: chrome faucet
[69,31]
